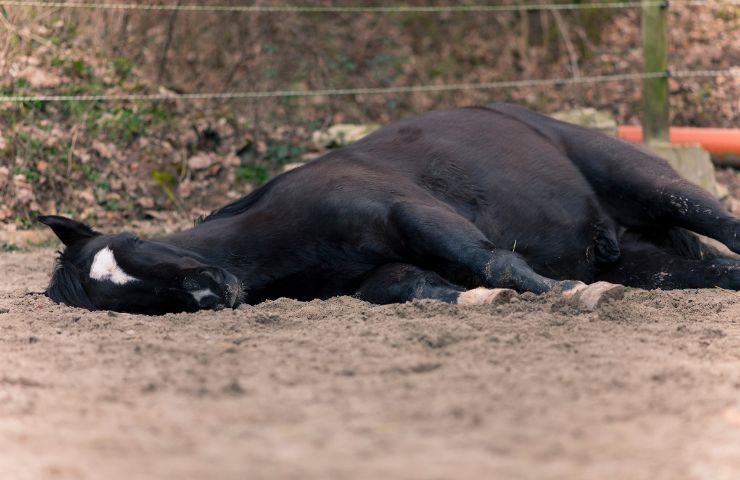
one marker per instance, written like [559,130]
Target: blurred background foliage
[119,161]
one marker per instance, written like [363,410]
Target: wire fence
[375,91]
[360,9]
[576,79]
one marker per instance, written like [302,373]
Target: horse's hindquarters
[521,191]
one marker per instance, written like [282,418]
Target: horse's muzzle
[233,291]
[214,288]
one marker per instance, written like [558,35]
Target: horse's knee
[506,269]
[606,245]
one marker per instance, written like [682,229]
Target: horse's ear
[69,231]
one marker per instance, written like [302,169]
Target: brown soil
[644,388]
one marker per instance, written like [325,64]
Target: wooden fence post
[655,120]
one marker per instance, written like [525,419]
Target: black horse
[429,207]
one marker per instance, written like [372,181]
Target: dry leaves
[201,161]
[4,176]
[5,212]
[115,163]
[39,77]
[105,150]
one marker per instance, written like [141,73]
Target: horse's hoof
[486,296]
[594,295]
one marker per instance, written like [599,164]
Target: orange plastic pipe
[713,140]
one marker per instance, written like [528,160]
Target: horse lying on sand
[459,205]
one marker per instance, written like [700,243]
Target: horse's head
[124,273]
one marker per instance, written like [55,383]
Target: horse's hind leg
[677,202]
[401,282]
[637,188]
[646,265]
[640,190]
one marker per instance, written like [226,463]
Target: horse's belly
[559,237]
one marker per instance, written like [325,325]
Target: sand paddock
[647,387]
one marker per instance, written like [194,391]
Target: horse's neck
[224,242]
[245,245]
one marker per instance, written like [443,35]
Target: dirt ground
[647,387]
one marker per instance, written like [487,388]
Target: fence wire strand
[733,72]
[359,9]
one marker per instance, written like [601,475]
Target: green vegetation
[118,124]
[109,205]
[282,153]
[256,169]
[33,151]
[9,247]
[167,182]
[268,73]
[343,62]
[122,66]
[124,124]
[79,69]
[31,174]
[251,174]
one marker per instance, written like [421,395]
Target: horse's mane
[241,205]
[66,285]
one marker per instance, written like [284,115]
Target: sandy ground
[644,388]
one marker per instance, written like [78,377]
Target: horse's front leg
[402,282]
[436,231]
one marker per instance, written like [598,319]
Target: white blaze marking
[199,295]
[104,267]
